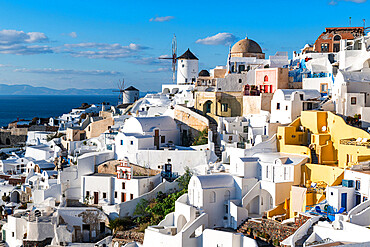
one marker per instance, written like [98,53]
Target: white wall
[187,70]
[212,238]
[334,196]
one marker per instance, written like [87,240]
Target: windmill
[121,90]
[173,58]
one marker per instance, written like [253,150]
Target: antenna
[121,89]
[350,19]
[173,58]
[364,22]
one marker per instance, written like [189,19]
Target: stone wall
[191,123]
[110,167]
[11,137]
[28,243]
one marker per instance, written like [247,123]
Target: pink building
[268,80]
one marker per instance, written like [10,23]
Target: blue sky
[93,44]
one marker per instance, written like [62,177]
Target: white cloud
[73,34]
[10,37]
[21,43]
[19,49]
[158,70]
[103,50]
[218,39]
[162,18]
[68,71]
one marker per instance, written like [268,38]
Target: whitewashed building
[287,104]
[109,189]
[47,225]
[351,94]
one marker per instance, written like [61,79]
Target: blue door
[344,201]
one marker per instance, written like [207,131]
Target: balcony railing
[354,142]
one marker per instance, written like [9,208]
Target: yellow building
[221,104]
[331,145]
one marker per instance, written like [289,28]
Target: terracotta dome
[204,73]
[246,46]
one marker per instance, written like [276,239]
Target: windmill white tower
[187,68]
[128,95]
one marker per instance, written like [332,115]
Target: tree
[5,198]
[122,224]
[185,178]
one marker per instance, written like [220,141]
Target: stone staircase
[213,128]
[314,158]
[300,242]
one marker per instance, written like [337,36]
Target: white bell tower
[187,68]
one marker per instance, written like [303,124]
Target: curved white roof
[355,76]
[280,158]
[307,93]
[216,181]
[319,65]
[148,124]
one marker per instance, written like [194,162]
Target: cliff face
[30,90]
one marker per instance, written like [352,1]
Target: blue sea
[28,107]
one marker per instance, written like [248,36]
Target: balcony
[356,142]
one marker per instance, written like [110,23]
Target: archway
[366,64]
[207,107]
[260,203]
[15,197]
[253,206]
[181,222]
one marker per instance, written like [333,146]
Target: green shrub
[202,138]
[121,224]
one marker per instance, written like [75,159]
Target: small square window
[131,142]
[331,193]
[163,139]
[286,108]
[104,195]
[87,193]
[121,142]
[115,194]
[123,185]
[278,106]
[131,196]
[353,100]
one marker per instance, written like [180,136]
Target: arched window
[337,38]
[266,78]
[212,197]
